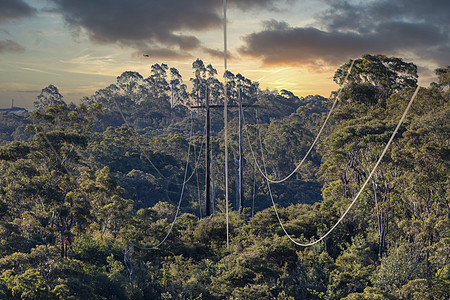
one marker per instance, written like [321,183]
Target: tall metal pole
[208,158]
[241,157]
[225,114]
[213,186]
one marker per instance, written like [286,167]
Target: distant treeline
[85,188]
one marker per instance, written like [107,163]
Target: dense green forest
[87,191]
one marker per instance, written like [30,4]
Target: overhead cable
[264,174]
[137,140]
[180,200]
[361,189]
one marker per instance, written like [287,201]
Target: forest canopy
[88,190]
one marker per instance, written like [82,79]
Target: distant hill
[13,110]
[12,124]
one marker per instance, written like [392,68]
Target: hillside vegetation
[86,188]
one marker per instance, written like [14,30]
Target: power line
[185,180]
[179,202]
[136,139]
[360,191]
[264,174]
[58,157]
[61,161]
[198,157]
[54,151]
[141,148]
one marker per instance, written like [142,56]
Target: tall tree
[158,80]
[48,96]
[375,77]
[178,88]
[198,81]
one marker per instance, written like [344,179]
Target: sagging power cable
[361,189]
[137,139]
[180,200]
[264,174]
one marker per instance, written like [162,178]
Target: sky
[84,45]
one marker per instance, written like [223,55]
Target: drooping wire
[374,186]
[198,193]
[236,176]
[58,157]
[196,164]
[196,167]
[361,189]
[185,180]
[38,129]
[143,150]
[198,157]
[264,174]
[137,139]
[180,200]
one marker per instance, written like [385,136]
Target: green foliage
[13,127]
[353,269]
[444,76]
[369,293]
[389,73]
[80,200]
[29,285]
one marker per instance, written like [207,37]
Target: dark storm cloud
[14,9]
[304,46]
[145,24]
[348,16]
[11,46]
[419,28]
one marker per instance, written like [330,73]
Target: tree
[61,134]
[215,87]
[130,85]
[76,206]
[198,81]
[158,80]
[28,285]
[375,78]
[12,127]
[178,88]
[444,76]
[48,96]
[109,208]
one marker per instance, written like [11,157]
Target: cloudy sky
[81,46]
